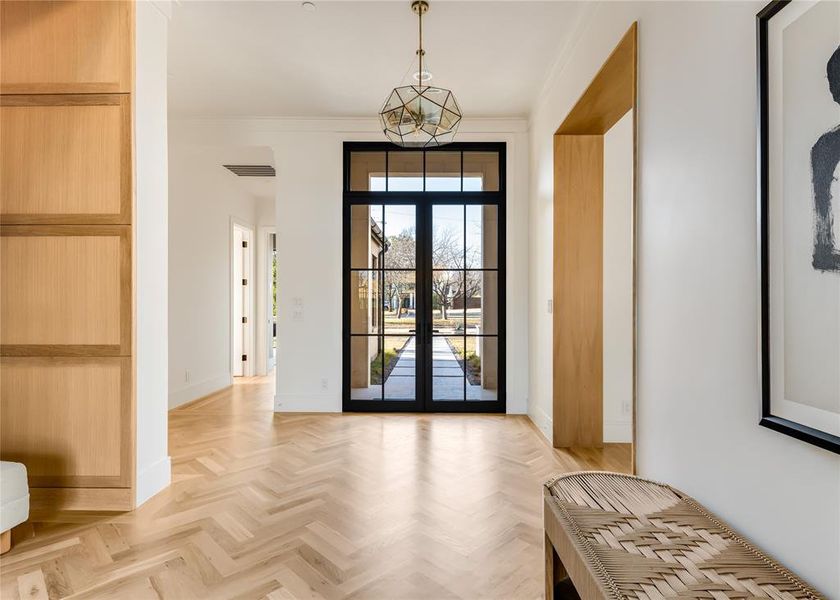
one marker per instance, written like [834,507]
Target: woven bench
[620,537]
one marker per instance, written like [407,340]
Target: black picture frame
[799,431]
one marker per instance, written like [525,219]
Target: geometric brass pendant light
[420,116]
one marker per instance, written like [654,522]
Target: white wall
[308,159]
[153,471]
[618,281]
[698,371]
[309,228]
[204,197]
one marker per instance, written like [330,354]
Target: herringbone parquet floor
[314,506]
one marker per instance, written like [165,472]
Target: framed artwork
[799,234]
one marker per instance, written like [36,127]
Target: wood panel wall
[66,299]
[578,374]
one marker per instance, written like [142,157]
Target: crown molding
[332,124]
[584,20]
[164,7]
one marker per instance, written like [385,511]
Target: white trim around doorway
[264,301]
[248,299]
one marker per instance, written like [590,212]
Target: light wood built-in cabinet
[66,294]
[68,158]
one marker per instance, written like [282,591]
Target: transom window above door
[450,170]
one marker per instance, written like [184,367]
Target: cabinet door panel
[65,159]
[61,47]
[67,419]
[66,290]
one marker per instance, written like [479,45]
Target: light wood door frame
[578,248]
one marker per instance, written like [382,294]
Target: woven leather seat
[621,537]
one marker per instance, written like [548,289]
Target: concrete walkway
[447,377]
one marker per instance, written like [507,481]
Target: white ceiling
[242,58]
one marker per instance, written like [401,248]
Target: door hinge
[244,244]
[244,319]
[244,282]
[244,357]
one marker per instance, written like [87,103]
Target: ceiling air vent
[251,170]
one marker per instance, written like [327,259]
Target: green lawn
[451,322]
[393,348]
[473,360]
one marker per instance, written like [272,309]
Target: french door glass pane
[447,370]
[482,365]
[365,367]
[365,302]
[400,362]
[448,237]
[482,233]
[366,236]
[482,302]
[447,302]
[400,232]
[400,302]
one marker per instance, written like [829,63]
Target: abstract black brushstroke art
[798,192]
[825,155]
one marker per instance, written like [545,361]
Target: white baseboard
[618,432]
[307,403]
[542,421]
[615,432]
[197,390]
[152,480]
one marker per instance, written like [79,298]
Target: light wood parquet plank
[282,506]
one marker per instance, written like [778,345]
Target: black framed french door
[424,278]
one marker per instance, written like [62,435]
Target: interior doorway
[424,274]
[242,302]
[271,301]
[594,257]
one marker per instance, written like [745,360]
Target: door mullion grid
[425,370]
[381,308]
[424,269]
[464,295]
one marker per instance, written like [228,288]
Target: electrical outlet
[187,376]
[325,384]
[625,407]
[297,315]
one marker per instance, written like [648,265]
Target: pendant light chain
[420,12]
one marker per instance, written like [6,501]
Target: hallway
[324,506]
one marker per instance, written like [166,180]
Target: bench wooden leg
[550,557]
[5,541]
[555,572]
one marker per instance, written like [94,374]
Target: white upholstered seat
[14,495]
